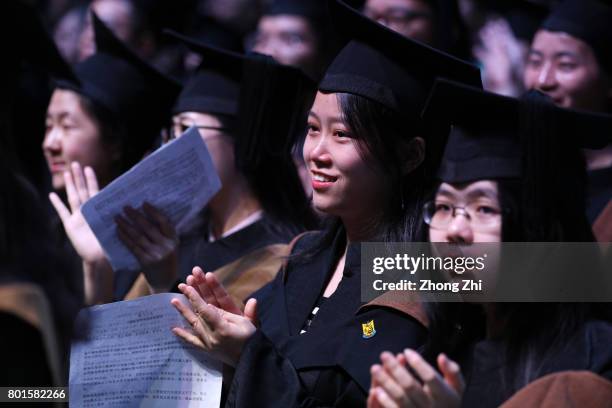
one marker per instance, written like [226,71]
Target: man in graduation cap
[570,60]
[102,118]
[504,177]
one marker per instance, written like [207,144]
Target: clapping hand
[394,386]
[221,332]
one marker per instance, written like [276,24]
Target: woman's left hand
[221,333]
[393,386]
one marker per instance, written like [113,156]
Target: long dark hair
[379,132]
[283,199]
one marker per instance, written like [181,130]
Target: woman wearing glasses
[493,190]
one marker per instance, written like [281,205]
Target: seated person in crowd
[104,118]
[570,61]
[497,188]
[367,150]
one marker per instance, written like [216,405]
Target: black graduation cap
[215,86]
[531,139]
[384,66]
[525,17]
[588,20]
[138,95]
[488,130]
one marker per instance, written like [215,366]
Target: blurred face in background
[72,134]
[410,18]
[290,39]
[124,21]
[566,68]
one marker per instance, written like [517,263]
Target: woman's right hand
[80,187]
[212,292]
[151,237]
[220,333]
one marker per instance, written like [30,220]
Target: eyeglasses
[178,129]
[396,19]
[439,214]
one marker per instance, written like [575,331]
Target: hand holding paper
[178,180]
[152,239]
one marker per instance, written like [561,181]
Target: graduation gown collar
[307,282]
[336,336]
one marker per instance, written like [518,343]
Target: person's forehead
[558,41]
[325,104]
[198,118]
[476,188]
[63,100]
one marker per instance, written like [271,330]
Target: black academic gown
[589,349]
[599,191]
[196,250]
[329,365]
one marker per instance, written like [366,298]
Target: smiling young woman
[366,150]
[570,61]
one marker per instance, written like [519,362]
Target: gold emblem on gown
[368,329]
